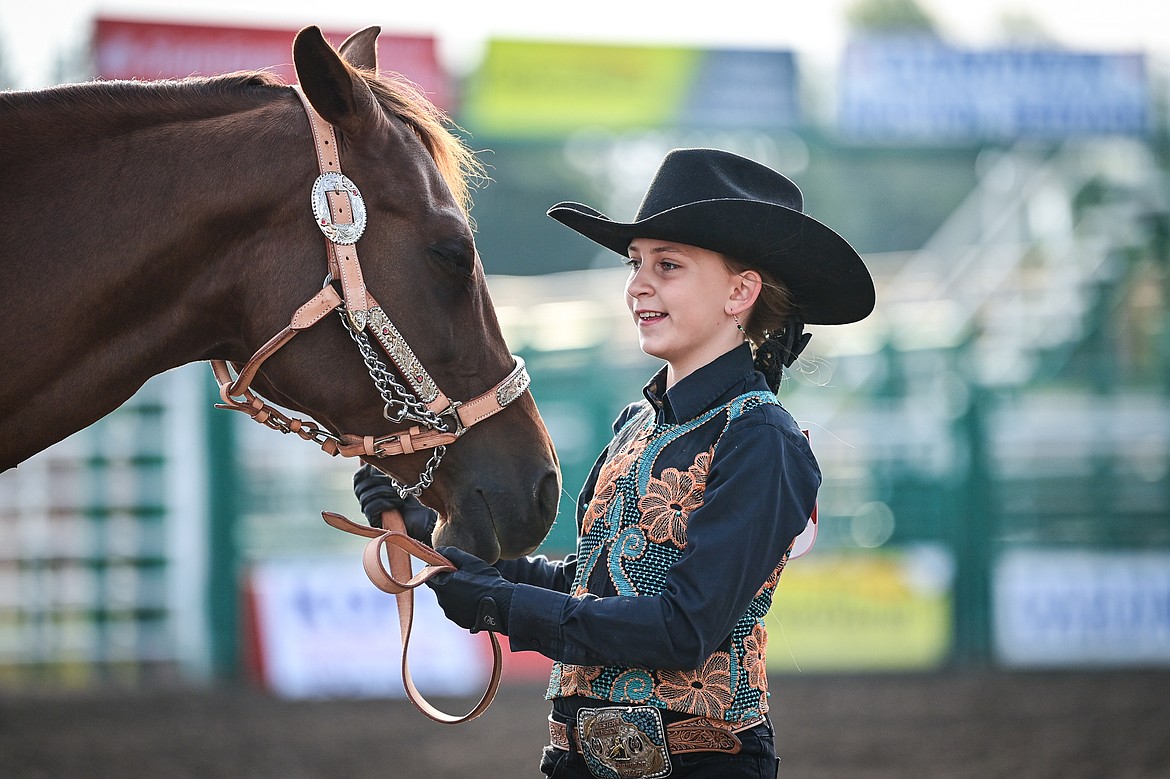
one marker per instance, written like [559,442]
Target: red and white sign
[126,49]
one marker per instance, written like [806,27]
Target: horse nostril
[548,496]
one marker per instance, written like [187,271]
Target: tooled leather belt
[691,735]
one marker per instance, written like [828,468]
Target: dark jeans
[755,760]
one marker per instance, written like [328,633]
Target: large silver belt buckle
[622,742]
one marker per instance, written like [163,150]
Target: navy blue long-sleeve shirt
[760,490]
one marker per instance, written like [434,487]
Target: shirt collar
[718,381]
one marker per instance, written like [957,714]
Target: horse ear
[334,88]
[361,49]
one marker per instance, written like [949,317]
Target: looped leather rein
[400,581]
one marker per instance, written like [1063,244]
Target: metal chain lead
[400,408]
[405,406]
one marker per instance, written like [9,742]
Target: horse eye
[457,256]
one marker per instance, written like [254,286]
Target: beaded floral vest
[633,531]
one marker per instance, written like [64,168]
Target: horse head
[497,487]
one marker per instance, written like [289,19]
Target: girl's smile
[648,318]
[683,300]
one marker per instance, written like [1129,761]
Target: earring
[738,326]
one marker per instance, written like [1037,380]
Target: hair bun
[779,350]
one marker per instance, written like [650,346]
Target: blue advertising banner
[923,90]
[1079,607]
[735,88]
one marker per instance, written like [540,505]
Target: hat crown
[689,176]
[741,209]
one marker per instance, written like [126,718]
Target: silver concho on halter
[514,386]
[342,234]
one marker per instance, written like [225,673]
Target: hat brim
[826,276]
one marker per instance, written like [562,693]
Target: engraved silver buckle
[342,234]
[623,742]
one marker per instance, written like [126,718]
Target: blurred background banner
[851,611]
[1075,607]
[529,88]
[995,438]
[142,49]
[319,630]
[920,89]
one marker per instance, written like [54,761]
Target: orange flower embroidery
[667,503]
[578,679]
[705,692]
[602,497]
[622,461]
[774,579]
[614,467]
[606,487]
[699,470]
[755,649]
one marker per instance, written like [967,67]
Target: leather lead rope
[400,581]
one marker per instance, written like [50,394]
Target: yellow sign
[536,88]
[842,611]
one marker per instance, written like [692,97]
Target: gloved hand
[376,493]
[475,597]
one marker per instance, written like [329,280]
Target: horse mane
[105,98]
[457,163]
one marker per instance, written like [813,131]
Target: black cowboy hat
[729,204]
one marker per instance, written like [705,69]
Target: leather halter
[363,312]
[340,214]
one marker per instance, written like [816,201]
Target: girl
[656,624]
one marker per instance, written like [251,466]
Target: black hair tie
[779,350]
[792,340]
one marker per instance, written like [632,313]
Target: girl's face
[682,299]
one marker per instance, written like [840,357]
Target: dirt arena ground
[1099,725]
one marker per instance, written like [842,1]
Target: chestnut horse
[149,225]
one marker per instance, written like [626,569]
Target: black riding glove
[377,493]
[475,597]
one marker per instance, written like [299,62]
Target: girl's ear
[745,291]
